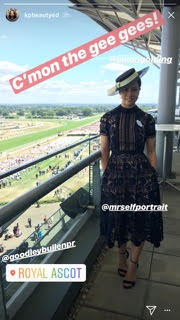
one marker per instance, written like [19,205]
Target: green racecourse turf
[28,138]
[28,181]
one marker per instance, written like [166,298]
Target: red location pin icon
[12,272]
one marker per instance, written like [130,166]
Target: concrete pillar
[170,41]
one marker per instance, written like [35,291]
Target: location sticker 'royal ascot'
[46,272]
[87,51]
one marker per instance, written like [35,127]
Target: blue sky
[29,42]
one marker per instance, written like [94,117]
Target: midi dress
[129,179]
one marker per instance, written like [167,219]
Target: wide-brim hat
[126,79]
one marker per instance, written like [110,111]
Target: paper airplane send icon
[151,309]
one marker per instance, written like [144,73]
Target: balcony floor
[158,276]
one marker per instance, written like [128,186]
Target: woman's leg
[132,268]
[136,251]
[123,257]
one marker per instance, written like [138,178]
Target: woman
[129,177]
[12,14]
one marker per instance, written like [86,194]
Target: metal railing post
[3,311]
[96,185]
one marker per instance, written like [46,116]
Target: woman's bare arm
[104,151]
[151,151]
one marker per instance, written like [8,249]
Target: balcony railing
[62,226]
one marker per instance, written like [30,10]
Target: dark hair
[8,13]
[139,83]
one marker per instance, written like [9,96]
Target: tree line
[50,111]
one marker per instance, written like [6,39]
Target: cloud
[3,36]
[57,85]
[5,77]
[4,88]
[65,88]
[53,86]
[59,90]
[7,71]
[56,91]
[6,67]
[115,67]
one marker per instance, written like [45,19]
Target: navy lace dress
[129,178]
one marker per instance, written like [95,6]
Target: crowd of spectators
[31,154]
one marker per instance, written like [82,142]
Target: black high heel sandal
[122,272]
[131,284]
